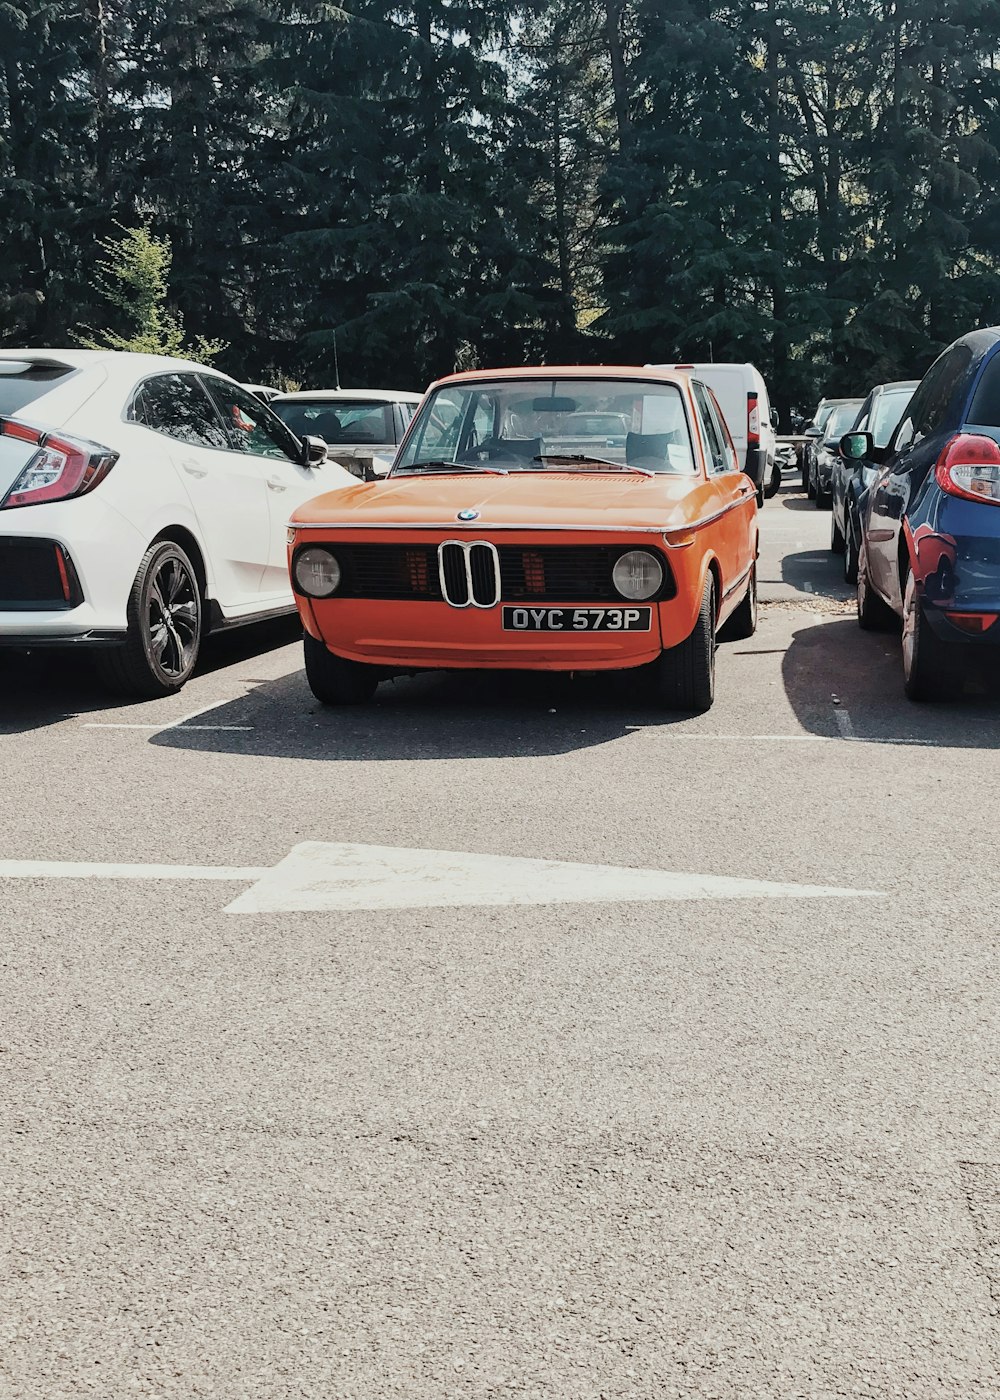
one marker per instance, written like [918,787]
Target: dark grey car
[878,415]
[826,450]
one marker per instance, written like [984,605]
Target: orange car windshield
[538,424]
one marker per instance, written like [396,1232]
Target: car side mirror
[774,417]
[314,451]
[856,446]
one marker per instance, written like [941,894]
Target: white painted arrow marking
[317,875]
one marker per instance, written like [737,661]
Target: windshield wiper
[443,466]
[579,457]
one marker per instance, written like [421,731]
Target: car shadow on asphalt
[817,572]
[43,687]
[848,684]
[792,501]
[436,715]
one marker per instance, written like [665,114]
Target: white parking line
[844,724]
[102,870]
[791,738]
[160,728]
[183,722]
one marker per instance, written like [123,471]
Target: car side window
[711,433]
[252,426]
[728,449]
[985,409]
[933,398]
[177,406]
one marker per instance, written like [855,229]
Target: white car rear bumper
[81,597]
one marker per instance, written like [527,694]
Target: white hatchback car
[143,503]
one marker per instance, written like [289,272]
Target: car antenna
[336,364]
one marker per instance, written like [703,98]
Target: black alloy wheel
[165,625]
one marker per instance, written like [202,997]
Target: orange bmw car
[573,519]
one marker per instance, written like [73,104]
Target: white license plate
[577,619]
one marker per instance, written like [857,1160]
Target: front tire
[333,679]
[874,614]
[837,541]
[774,482]
[684,675]
[743,622]
[850,553]
[165,626]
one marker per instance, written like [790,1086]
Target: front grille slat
[456,583]
[484,580]
[530,574]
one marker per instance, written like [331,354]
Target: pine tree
[133,279]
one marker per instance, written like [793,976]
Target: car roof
[666,376]
[125,360]
[343,395]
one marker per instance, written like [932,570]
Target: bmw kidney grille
[469,571]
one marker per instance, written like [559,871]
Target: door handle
[193,468]
[275,483]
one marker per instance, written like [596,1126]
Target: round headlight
[317,573]
[637,574]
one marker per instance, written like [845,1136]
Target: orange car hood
[604,500]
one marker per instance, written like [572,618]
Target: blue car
[930,537]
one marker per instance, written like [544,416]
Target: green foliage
[133,278]
[810,184]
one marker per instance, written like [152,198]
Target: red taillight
[753,421]
[974,623]
[62,466]
[969,467]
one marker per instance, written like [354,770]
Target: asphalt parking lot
[323,1074]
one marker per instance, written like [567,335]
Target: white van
[742,396]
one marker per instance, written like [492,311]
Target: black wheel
[930,666]
[807,482]
[684,676]
[335,680]
[743,622]
[874,615]
[823,499]
[774,481]
[836,535]
[164,627]
[851,552]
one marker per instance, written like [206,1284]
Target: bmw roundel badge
[467,515]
